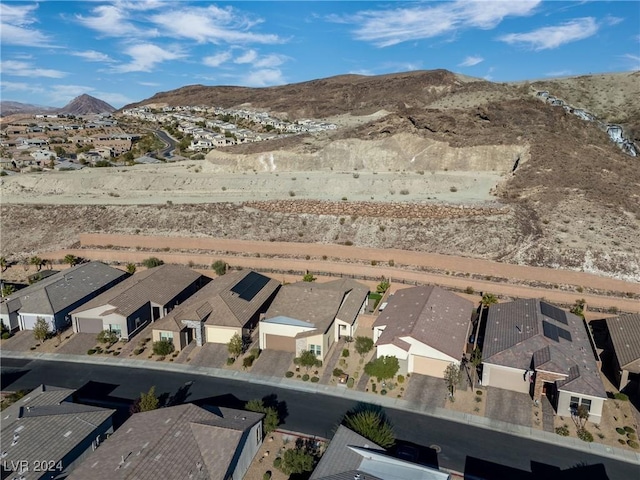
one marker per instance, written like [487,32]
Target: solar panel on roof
[550,331]
[566,334]
[250,285]
[555,313]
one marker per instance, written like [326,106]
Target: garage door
[278,342]
[429,366]
[89,325]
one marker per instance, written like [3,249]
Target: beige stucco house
[139,300]
[229,305]
[533,347]
[425,328]
[312,316]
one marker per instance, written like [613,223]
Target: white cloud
[633,60]
[247,57]
[20,87]
[63,94]
[554,36]
[559,73]
[470,61]
[217,59]
[149,84]
[145,57]
[93,56]
[263,78]
[15,21]
[111,21]
[389,27]
[212,24]
[114,99]
[27,69]
[270,61]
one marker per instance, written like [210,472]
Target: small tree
[37,262]
[131,268]
[220,267]
[41,329]
[383,286]
[363,345]
[307,359]
[72,260]
[453,377]
[373,425]
[8,290]
[146,402]
[163,347]
[152,262]
[3,264]
[383,367]
[107,336]
[488,299]
[235,346]
[271,417]
[308,277]
[296,461]
[476,361]
[580,416]
[578,308]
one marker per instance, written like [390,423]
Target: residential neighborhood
[539,365]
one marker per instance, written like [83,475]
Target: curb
[343,392]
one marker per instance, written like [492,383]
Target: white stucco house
[426,328]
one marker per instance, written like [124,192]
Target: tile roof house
[230,304]
[177,443]
[624,347]
[54,297]
[533,347]
[45,434]
[312,316]
[139,300]
[426,328]
[350,456]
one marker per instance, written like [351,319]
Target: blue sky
[126,51]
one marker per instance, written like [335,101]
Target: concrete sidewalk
[399,404]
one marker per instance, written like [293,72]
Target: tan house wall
[218,334]
[564,402]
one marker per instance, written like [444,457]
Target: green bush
[247,362]
[289,374]
[91,351]
[632,436]
[305,377]
[231,361]
[315,379]
[254,352]
[115,354]
[621,441]
[266,475]
[350,382]
[152,262]
[629,430]
[633,444]
[383,392]
[5,335]
[400,378]
[585,435]
[479,392]
[477,399]
[138,351]
[277,462]
[345,352]
[163,347]
[621,431]
[562,431]
[621,396]
[337,372]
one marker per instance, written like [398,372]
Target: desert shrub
[138,351]
[620,431]
[266,475]
[632,436]
[400,378]
[477,399]
[383,392]
[91,351]
[337,372]
[621,396]
[305,377]
[292,193]
[289,374]
[478,392]
[163,347]
[277,462]
[231,361]
[585,435]
[345,352]
[562,431]
[621,441]
[350,382]
[115,354]
[469,290]
[404,191]
[348,243]
[5,335]
[315,379]
[453,189]
[152,262]
[247,362]
[633,444]
[629,430]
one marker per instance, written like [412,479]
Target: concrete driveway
[211,355]
[426,390]
[273,363]
[509,406]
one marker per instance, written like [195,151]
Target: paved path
[397,275]
[353,395]
[548,415]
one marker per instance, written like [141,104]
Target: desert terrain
[493,172]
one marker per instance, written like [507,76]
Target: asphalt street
[459,447]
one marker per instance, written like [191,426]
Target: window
[586,403]
[573,404]
[166,336]
[316,349]
[116,329]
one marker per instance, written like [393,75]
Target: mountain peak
[86,104]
